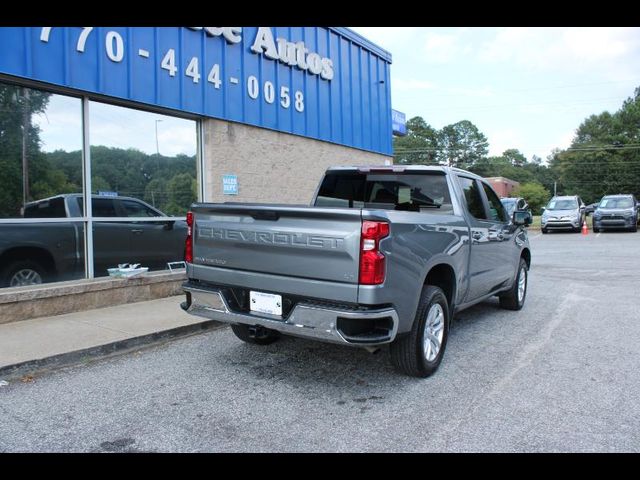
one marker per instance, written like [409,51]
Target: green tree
[419,146]
[99,184]
[604,155]
[462,144]
[155,193]
[535,194]
[181,190]
[514,157]
[19,139]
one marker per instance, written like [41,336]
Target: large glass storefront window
[40,171]
[143,177]
[143,167]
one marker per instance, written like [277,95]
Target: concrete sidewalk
[50,342]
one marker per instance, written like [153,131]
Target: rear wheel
[22,273]
[419,353]
[595,229]
[255,334]
[634,228]
[514,298]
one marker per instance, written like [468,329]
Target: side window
[496,210]
[103,207]
[136,209]
[472,197]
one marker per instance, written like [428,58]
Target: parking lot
[560,375]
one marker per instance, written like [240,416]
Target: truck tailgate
[305,242]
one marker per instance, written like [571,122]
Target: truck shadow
[336,369]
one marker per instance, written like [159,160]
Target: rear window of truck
[426,192]
[53,208]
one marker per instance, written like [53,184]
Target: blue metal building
[329,84]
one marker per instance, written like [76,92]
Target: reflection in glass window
[136,209]
[40,147]
[144,155]
[103,207]
[140,157]
[496,209]
[49,208]
[472,198]
[40,160]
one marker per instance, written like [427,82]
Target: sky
[525,88]
[114,126]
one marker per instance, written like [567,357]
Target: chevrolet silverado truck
[34,253]
[384,255]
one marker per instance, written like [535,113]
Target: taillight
[188,244]
[372,261]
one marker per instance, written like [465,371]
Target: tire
[22,273]
[511,300]
[408,352]
[543,230]
[262,336]
[634,228]
[595,229]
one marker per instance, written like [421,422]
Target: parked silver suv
[563,213]
[616,211]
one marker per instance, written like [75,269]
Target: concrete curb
[102,351]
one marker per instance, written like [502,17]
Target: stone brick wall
[271,167]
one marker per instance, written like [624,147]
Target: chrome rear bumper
[310,321]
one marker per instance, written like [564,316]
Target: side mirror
[169,224]
[522,217]
[542,209]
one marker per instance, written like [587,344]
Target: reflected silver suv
[616,211]
[563,213]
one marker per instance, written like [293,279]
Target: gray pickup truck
[384,255]
[33,253]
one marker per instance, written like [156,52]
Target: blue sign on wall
[230,184]
[326,83]
[399,123]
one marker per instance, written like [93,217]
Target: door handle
[137,231]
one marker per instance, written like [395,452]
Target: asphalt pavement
[561,375]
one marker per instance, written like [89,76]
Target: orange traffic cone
[585,229]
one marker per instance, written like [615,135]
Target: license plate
[265,303]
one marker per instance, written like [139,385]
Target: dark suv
[511,204]
[616,211]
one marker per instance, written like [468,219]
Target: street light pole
[157,148]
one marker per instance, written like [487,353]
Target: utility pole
[555,184]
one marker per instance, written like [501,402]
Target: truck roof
[66,195]
[402,168]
